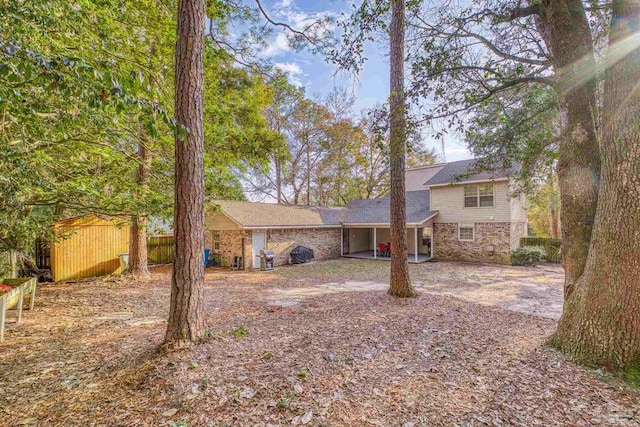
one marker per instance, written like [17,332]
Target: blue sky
[318,77]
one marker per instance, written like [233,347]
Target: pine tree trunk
[308,176]
[400,284]
[600,324]
[186,315]
[138,260]
[278,179]
[569,40]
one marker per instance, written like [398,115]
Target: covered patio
[412,258]
[366,228]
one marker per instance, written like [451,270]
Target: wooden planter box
[24,289]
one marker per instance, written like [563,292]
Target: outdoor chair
[382,250]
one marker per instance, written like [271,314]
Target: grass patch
[239,332]
[631,376]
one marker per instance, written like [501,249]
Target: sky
[312,72]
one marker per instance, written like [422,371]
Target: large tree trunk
[566,30]
[186,316]
[138,261]
[601,320]
[400,284]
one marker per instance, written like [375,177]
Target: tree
[138,259]
[400,282]
[186,310]
[566,31]
[328,156]
[70,108]
[543,208]
[600,324]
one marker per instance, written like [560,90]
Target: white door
[259,242]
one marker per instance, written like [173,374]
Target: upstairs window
[478,195]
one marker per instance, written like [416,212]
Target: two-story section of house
[479,215]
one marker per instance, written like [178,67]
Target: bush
[528,255]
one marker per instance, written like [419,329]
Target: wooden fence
[551,246]
[160,249]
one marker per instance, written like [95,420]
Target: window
[465,232]
[478,195]
[216,240]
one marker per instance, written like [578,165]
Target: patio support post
[375,243]
[415,242]
[342,241]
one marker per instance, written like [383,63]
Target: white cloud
[278,46]
[286,11]
[284,4]
[293,70]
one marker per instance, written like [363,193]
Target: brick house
[239,228]
[453,213]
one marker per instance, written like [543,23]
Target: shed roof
[464,171]
[252,214]
[377,211]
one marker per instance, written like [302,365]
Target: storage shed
[88,246]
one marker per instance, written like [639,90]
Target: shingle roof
[376,211]
[464,170]
[251,214]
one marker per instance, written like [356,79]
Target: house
[241,228]
[453,213]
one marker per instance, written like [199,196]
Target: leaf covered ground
[316,345]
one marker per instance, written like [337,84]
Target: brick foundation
[492,243]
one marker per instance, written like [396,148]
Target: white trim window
[216,240]
[478,196]
[466,232]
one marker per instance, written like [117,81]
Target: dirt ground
[536,290]
[315,345]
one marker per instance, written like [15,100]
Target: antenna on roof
[444,156]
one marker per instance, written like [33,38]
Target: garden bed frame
[23,288]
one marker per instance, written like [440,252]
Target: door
[258,242]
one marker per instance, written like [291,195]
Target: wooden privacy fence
[551,246]
[160,249]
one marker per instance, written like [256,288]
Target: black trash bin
[266,259]
[300,255]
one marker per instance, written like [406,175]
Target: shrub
[528,255]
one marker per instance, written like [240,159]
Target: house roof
[252,214]
[377,211]
[465,171]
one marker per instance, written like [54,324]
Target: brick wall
[492,242]
[230,245]
[325,242]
